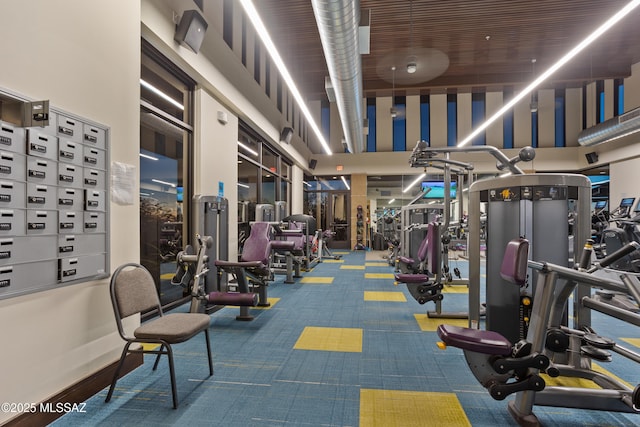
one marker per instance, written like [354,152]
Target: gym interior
[325,213]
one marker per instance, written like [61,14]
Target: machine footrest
[233,298]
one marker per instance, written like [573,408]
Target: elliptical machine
[624,232]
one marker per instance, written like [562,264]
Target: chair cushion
[174,327]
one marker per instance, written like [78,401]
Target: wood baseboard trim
[77,393]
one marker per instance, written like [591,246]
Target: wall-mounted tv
[437,189]
[179,194]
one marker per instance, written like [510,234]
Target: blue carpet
[261,380]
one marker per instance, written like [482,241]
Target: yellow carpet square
[456,289]
[428,324]
[352,267]
[340,252]
[378,276]
[271,301]
[384,296]
[317,280]
[376,264]
[330,339]
[387,408]
[600,369]
[333,261]
[632,341]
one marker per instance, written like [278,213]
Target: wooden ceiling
[489,44]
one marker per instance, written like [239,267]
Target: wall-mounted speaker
[312,164]
[286,135]
[191,29]
[591,157]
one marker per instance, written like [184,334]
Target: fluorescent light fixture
[161,94]
[261,29]
[146,156]
[391,201]
[247,148]
[243,185]
[345,182]
[566,58]
[306,183]
[164,182]
[145,194]
[417,180]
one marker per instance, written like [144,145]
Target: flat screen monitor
[601,204]
[627,202]
[437,189]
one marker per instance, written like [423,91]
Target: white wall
[216,158]
[85,58]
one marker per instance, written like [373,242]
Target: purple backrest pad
[514,262]
[257,246]
[432,248]
[423,250]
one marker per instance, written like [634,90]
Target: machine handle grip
[585,257]
[625,250]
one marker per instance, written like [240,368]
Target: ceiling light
[164,182]
[411,67]
[161,94]
[345,182]
[261,29]
[391,201]
[566,58]
[243,185]
[418,179]
[247,148]
[146,156]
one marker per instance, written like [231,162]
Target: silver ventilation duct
[338,22]
[614,128]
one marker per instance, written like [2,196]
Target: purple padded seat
[479,341]
[428,253]
[295,234]
[422,251]
[513,269]
[256,249]
[283,245]
[515,261]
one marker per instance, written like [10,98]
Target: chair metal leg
[125,350]
[155,365]
[206,335]
[172,373]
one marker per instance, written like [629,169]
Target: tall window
[599,101]
[371,117]
[425,118]
[400,124]
[452,119]
[165,167]
[264,177]
[560,137]
[478,107]
[507,120]
[618,97]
